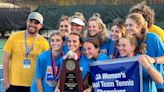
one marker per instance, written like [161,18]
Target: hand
[57,90]
[88,90]
[144,61]
[71,55]
[103,51]
[151,60]
[6,84]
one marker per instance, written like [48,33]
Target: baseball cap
[78,21]
[37,16]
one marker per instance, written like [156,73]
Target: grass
[2,43]
[1,56]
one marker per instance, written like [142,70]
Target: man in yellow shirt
[20,55]
[148,14]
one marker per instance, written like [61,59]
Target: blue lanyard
[28,50]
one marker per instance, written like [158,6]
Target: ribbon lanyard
[115,51]
[28,50]
[53,65]
[79,55]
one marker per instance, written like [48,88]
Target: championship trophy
[71,77]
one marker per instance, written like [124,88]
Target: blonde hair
[63,18]
[103,36]
[79,15]
[146,12]
[138,18]
[133,41]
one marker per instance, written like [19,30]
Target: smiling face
[116,33]
[90,50]
[125,48]
[74,43]
[33,26]
[56,43]
[132,27]
[93,28]
[65,27]
[76,28]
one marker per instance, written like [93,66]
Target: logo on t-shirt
[50,79]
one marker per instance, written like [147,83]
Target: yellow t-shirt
[158,31]
[15,45]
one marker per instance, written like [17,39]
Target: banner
[118,75]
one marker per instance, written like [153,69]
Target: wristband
[155,60]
